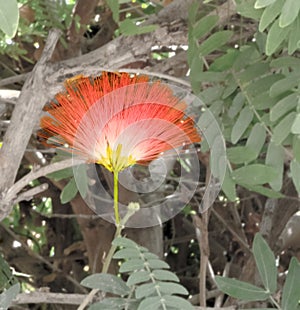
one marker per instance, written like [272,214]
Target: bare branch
[159,75]
[72,216]
[41,297]
[240,240]
[225,11]
[18,186]
[24,118]
[28,195]
[14,79]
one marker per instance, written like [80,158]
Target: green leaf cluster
[7,279]
[280,19]
[47,15]
[149,284]
[266,265]
[9,286]
[130,25]
[73,187]
[202,42]
[254,100]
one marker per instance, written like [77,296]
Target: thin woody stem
[112,249]
[116,197]
[105,267]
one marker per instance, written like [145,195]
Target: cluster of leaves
[149,285]
[36,18]
[266,265]
[131,24]
[254,99]
[280,18]
[9,285]
[74,184]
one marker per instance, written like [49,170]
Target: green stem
[116,197]
[105,267]
[112,249]
[132,208]
[275,302]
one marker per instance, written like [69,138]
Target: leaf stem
[250,104]
[154,282]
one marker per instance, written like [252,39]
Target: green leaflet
[265,262]
[291,289]
[241,290]
[289,13]
[254,174]
[9,17]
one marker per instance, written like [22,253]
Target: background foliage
[243,62]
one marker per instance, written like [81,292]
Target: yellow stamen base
[114,161]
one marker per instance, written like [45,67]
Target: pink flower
[117,120]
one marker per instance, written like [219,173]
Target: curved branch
[24,118]
[19,185]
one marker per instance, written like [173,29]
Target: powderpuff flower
[117,120]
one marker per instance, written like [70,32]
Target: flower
[117,120]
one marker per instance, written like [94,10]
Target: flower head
[117,120]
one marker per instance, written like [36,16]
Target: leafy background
[242,59]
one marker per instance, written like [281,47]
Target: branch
[40,297]
[24,118]
[201,227]
[176,10]
[225,11]
[28,195]
[19,185]
[115,54]
[160,75]
[239,239]
[14,79]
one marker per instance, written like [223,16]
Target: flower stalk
[116,197]
[132,208]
